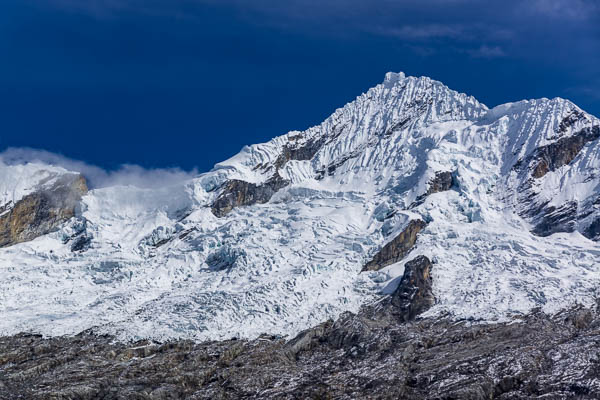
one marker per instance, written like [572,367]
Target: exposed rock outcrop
[399,247]
[553,219]
[299,152]
[570,120]
[42,211]
[562,152]
[237,193]
[442,181]
[537,357]
[414,294]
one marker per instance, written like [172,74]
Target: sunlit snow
[289,264]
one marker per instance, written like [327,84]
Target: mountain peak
[275,238]
[394,77]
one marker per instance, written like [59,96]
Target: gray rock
[414,294]
[235,193]
[42,211]
[396,249]
[442,181]
[365,355]
[562,152]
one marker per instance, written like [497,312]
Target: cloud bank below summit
[125,175]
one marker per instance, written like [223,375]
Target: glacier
[161,265]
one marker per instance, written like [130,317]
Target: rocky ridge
[395,250]
[41,212]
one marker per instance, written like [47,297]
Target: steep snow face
[161,265]
[551,164]
[362,136]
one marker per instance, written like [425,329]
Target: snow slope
[161,265]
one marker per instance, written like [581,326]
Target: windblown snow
[161,265]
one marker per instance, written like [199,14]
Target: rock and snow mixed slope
[275,238]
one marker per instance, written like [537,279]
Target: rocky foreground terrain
[381,352]
[540,357]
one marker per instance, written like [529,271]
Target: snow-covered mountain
[505,202]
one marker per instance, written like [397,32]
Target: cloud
[420,26]
[423,32]
[97,177]
[564,9]
[485,51]
[590,89]
[338,9]
[422,51]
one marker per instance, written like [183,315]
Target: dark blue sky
[187,83]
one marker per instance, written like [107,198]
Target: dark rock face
[562,219]
[570,119]
[562,152]
[42,212]
[442,181]
[305,151]
[414,294]
[237,193]
[537,357]
[399,247]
